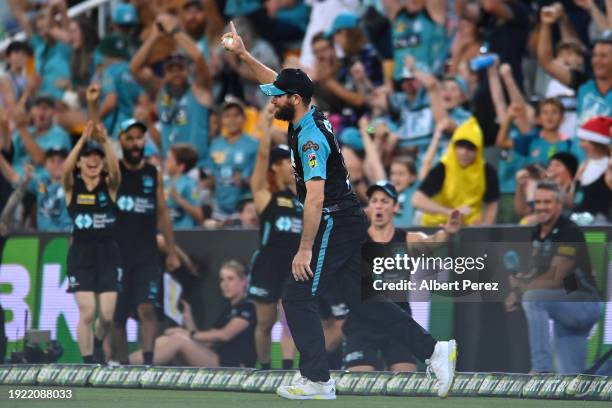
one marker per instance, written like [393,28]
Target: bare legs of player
[266,317]
[86,302]
[147,317]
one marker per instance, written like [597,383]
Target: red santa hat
[596,130]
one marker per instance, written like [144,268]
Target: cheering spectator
[359,71]
[326,65]
[247,214]
[181,189]
[120,92]
[232,159]
[183,103]
[467,41]
[30,142]
[125,25]
[52,55]
[595,192]
[202,22]
[560,287]
[526,182]
[14,83]
[83,39]
[594,94]
[417,30]
[462,180]
[231,341]
[403,175]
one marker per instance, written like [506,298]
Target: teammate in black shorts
[363,339]
[280,215]
[335,228]
[142,209]
[93,257]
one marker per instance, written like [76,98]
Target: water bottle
[483,62]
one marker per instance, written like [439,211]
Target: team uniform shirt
[228,159]
[187,188]
[137,216]
[55,137]
[52,64]
[117,79]
[239,351]
[280,229]
[566,240]
[94,262]
[183,120]
[419,36]
[403,218]
[51,210]
[315,154]
[416,121]
[539,150]
[591,102]
[510,162]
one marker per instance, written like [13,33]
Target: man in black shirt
[142,210]
[560,286]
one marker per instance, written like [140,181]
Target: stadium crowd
[463,105]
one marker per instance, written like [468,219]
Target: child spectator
[14,83]
[30,142]
[403,175]
[233,159]
[182,193]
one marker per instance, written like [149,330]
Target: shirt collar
[305,118]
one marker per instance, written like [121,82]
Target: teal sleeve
[314,152]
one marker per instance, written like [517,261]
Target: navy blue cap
[92,147]
[386,187]
[290,81]
[279,152]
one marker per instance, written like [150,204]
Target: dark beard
[130,158]
[285,112]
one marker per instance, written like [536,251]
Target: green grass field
[115,398]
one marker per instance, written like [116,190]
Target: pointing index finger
[233,28]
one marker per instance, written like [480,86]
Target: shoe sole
[452,362]
[307,397]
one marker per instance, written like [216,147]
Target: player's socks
[287,364]
[334,359]
[147,357]
[97,343]
[265,366]
[98,355]
[88,359]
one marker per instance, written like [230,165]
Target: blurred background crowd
[522,87]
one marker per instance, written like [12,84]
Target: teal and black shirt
[281,222]
[315,154]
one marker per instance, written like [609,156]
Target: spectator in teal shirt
[30,142]
[544,141]
[182,194]
[417,29]
[183,103]
[403,175]
[233,158]
[120,92]
[52,55]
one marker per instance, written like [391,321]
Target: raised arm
[436,10]
[143,74]
[93,95]
[392,8]
[36,153]
[503,140]
[548,16]
[524,119]
[600,19]
[110,160]
[21,17]
[432,149]
[71,161]
[497,93]
[232,42]
[373,166]
[259,185]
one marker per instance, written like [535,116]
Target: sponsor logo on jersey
[284,202]
[310,145]
[86,199]
[312,160]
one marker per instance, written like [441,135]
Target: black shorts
[270,269]
[362,345]
[336,260]
[93,267]
[139,284]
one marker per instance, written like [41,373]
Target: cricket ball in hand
[227,42]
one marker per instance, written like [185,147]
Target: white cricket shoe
[304,389]
[442,363]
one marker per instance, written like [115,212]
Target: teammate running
[93,258]
[280,215]
[335,228]
[142,210]
[363,339]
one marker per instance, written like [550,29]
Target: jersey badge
[312,160]
[310,145]
[86,199]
